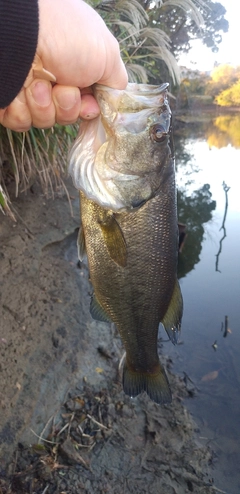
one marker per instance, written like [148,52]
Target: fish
[123,165]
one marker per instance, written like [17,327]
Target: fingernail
[66,99]
[41,94]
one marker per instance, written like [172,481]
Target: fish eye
[158,133]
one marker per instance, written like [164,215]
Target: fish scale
[132,251]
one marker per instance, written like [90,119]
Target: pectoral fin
[114,240]
[173,316]
[97,312]
[81,244]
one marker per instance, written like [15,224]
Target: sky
[210,164]
[202,58]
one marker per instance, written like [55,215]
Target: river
[208,354]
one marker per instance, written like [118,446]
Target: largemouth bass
[122,162]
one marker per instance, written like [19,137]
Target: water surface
[209,271]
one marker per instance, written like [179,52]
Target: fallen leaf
[80,401]
[99,370]
[210,376]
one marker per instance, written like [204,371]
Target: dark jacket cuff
[18,42]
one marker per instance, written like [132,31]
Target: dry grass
[34,155]
[42,154]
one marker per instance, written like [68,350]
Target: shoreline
[57,362]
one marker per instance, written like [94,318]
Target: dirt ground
[66,426]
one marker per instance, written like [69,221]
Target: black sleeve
[18,43]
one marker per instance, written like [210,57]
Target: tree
[183,23]
[230,96]
[215,24]
[222,77]
[151,33]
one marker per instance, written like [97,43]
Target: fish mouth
[134,98]
[98,169]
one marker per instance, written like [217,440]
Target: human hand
[75,46]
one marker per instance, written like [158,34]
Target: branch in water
[226,189]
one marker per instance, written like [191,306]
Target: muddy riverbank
[65,424]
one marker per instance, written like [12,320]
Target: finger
[115,74]
[67,101]
[89,107]
[17,115]
[2,112]
[40,103]
[117,78]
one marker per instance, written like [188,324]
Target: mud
[66,427]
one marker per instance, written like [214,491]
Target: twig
[63,428]
[68,197]
[225,327]
[96,422]
[92,446]
[99,415]
[87,446]
[41,438]
[47,424]
[68,424]
[45,490]
[121,361]
[82,433]
[28,470]
[31,235]
[226,189]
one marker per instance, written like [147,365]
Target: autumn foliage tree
[230,96]
[224,85]
[222,77]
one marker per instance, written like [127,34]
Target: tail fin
[156,385]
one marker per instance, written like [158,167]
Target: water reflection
[224,131]
[226,189]
[193,210]
[211,298]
